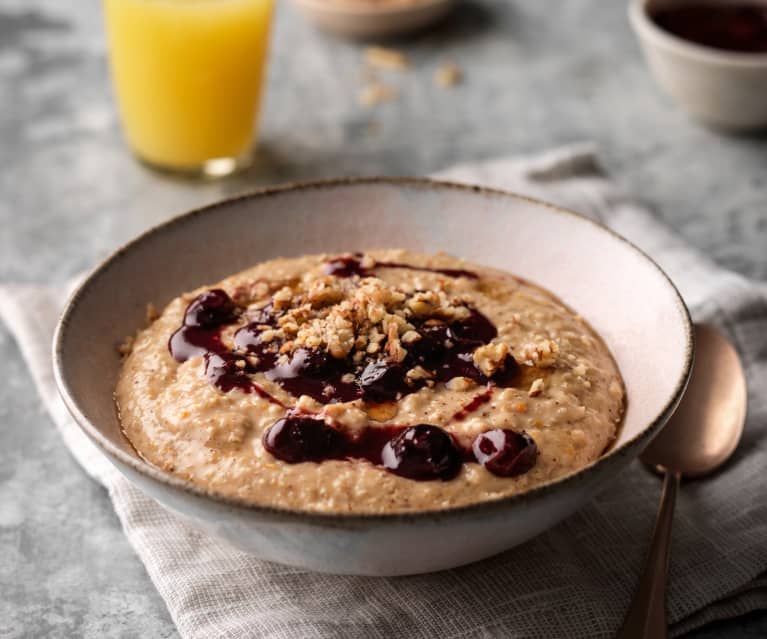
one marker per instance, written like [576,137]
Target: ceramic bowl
[722,89]
[618,289]
[374,19]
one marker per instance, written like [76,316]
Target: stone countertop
[537,74]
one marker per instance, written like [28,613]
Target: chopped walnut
[393,346]
[282,298]
[376,93]
[340,337]
[490,358]
[423,303]
[536,388]
[542,354]
[384,58]
[325,291]
[460,384]
[410,337]
[448,75]
[417,373]
[269,335]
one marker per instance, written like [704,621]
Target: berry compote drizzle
[422,452]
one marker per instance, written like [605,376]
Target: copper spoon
[699,437]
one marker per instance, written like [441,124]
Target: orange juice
[188,77]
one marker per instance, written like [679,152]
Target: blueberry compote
[203,319]
[505,452]
[733,26]
[421,453]
[350,265]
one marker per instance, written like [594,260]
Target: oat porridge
[380,382]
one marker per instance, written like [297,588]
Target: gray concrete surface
[538,74]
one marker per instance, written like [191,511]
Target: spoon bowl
[707,426]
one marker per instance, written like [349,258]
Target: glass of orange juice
[188,76]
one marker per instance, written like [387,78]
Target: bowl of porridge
[375,376]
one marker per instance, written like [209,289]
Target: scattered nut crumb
[385,58]
[460,384]
[375,93]
[543,353]
[417,373]
[490,357]
[536,388]
[448,75]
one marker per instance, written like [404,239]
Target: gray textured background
[538,74]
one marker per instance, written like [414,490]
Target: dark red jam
[474,404]
[422,453]
[731,27]
[351,265]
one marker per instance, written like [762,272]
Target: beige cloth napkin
[573,581]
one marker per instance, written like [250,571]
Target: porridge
[379,382]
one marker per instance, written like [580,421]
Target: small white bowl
[617,288]
[723,89]
[374,20]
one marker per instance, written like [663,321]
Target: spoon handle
[646,618]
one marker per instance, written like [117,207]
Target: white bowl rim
[644,26]
[145,468]
[370,10]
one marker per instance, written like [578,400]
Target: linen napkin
[575,580]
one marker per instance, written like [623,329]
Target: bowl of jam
[708,55]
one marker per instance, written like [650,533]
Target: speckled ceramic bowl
[723,89]
[624,295]
[356,19]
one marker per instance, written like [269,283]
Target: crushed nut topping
[541,353]
[448,75]
[536,388]
[490,358]
[375,93]
[348,316]
[385,58]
